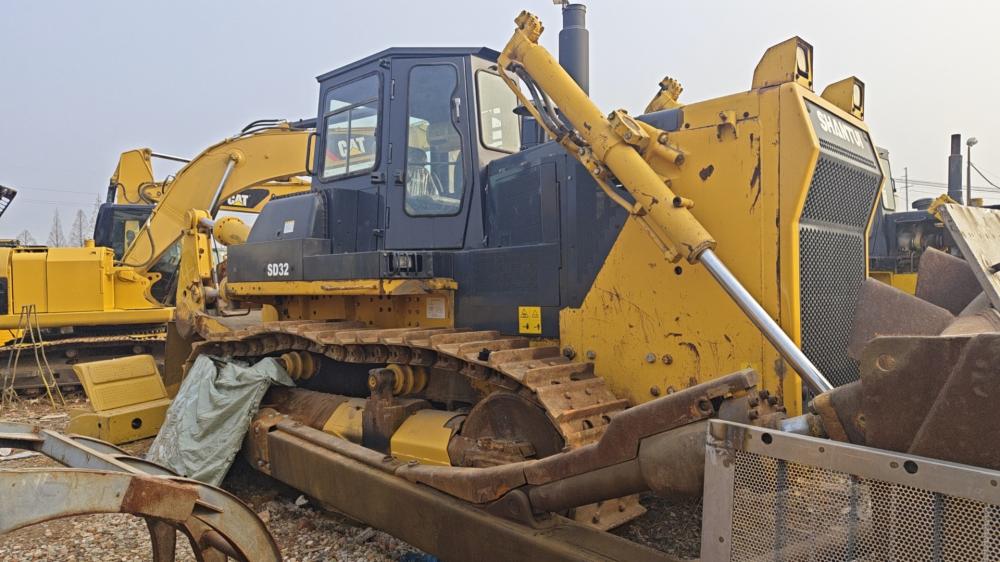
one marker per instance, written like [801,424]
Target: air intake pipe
[574,44]
[955,168]
[574,56]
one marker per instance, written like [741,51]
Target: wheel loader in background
[498,342]
[114,300]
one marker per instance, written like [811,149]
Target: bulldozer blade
[946,281]
[883,310]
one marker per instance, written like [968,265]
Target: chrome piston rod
[771,330]
[222,183]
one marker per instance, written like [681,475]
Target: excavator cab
[118,224]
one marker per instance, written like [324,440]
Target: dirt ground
[304,532]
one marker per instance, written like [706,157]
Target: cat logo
[238,200]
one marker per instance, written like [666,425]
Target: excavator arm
[279,153]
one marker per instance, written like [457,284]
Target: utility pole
[968,169]
[906,187]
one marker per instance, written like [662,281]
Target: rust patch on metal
[156,497]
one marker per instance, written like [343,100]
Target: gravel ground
[304,532]
[668,526]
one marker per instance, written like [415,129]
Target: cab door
[430,175]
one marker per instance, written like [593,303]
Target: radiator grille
[793,512]
[832,261]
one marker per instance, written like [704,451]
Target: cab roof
[412,52]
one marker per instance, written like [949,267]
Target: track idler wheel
[406,379]
[301,365]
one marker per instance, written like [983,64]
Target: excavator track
[84,348]
[577,402]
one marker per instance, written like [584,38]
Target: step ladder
[30,338]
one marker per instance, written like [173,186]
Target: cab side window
[351,120]
[435,179]
[499,126]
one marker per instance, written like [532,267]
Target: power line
[986,179]
[30,189]
[56,203]
[994,174]
[942,185]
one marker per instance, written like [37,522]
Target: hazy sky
[82,81]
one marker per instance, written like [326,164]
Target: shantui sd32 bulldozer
[498,342]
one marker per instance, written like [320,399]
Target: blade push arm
[639,156]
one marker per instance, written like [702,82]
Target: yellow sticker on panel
[529,319]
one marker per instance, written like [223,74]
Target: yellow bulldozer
[499,342]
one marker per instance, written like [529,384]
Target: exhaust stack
[574,44]
[955,168]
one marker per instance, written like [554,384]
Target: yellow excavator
[115,299]
[498,342]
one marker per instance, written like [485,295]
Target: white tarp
[204,427]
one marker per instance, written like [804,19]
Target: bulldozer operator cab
[403,135]
[420,173]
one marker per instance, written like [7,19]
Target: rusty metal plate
[886,311]
[901,378]
[432,521]
[965,417]
[977,233]
[946,281]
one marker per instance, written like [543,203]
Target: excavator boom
[215,175]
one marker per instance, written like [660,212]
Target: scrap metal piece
[976,231]
[840,414]
[93,491]
[946,281]
[901,378]
[216,523]
[964,415]
[886,311]
[977,318]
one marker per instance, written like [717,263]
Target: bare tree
[56,237]
[92,223]
[26,239]
[78,232]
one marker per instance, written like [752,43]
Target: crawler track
[63,353]
[577,402]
